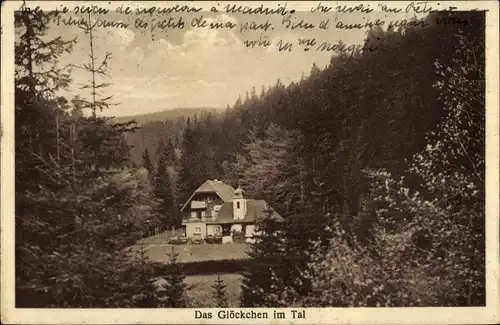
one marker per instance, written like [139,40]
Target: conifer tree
[164,194]
[428,246]
[146,161]
[167,150]
[146,295]
[37,78]
[259,282]
[191,174]
[36,57]
[174,289]
[219,293]
[270,168]
[299,233]
[69,251]
[104,141]
[96,69]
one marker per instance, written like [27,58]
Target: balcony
[196,219]
[198,205]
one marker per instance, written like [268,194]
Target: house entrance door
[226,230]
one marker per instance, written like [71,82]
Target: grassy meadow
[200,290]
[189,253]
[202,263]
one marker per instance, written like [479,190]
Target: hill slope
[167,124]
[164,115]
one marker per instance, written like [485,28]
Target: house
[203,207]
[217,209]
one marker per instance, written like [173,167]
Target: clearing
[202,263]
[196,252]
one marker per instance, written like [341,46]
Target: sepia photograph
[236,158]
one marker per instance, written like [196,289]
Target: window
[198,230]
[237,205]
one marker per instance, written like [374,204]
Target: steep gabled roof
[223,190]
[256,210]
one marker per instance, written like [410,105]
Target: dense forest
[376,162]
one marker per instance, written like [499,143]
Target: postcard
[246,162]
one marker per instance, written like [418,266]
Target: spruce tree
[37,79]
[191,174]
[104,141]
[259,283]
[219,293]
[146,295]
[37,113]
[146,161]
[71,228]
[174,289]
[35,56]
[167,150]
[301,232]
[164,194]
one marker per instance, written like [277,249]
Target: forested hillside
[154,128]
[163,115]
[376,162]
[372,110]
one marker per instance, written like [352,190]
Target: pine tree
[174,289]
[219,293]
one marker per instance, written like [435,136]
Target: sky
[198,67]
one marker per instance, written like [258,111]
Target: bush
[238,237]
[213,240]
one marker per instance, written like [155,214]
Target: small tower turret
[239,204]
